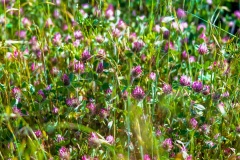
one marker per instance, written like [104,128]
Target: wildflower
[56,14]
[189,157]
[205,128]
[121,25]
[181,13]
[206,89]
[203,36]
[221,108]
[2,20]
[55,110]
[237,14]
[116,33]
[109,12]
[38,133]
[136,71]
[100,67]
[120,156]
[185,80]
[167,144]
[79,67]
[184,55]
[83,13]
[85,55]
[6,2]
[36,83]
[209,144]
[197,86]
[33,40]
[66,80]
[72,102]
[202,49]
[167,88]
[125,95]
[57,39]
[201,26]
[99,39]
[63,153]
[104,113]
[108,91]
[183,25]
[168,45]
[157,28]
[143,57]
[57,2]
[216,96]
[110,139]
[138,93]
[132,37]
[227,151]
[146,157]
[192,59]
[74,23]
[166,34]
[67,39]
[48,23]
[54,71]
[152,76]
[17,110]
[41,93]
[184,41]
[78,34]
[91,107]
[76,43]
[21,34]
[225,94]
[209,2]
[85,157]
[158,132]
[193,123]
[64,27]
[238,129]
[16,92]
[137,45]
[59,138]
[96,12]
[172,155]
[93,140]
[26,22]
[101,54]
[217,136]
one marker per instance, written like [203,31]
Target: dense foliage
[119,79]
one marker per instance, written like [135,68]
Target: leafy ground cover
[119,79]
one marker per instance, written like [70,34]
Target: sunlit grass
[77,83]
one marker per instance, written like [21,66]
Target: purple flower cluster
[185,80]
[136,71]
[167,88]
[167,144]
[197,86]
[138,93]
[72,102]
